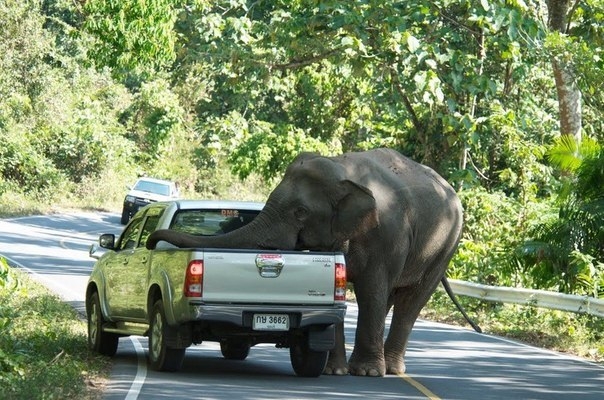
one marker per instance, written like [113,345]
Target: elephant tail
[449,291]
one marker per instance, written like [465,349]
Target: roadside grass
[43,351]
[16,204]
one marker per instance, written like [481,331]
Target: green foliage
[58,120]
[268,149]
[21,164]
[568,155]
[491,226]
[9,282]
[567,253]
[153,119]
[131,36]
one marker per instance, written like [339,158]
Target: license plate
[270,322]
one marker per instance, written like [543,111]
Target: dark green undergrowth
[43,352]
[577,334]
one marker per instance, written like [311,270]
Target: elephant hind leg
[336,363]
[408,302]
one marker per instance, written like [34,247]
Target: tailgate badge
[269,265]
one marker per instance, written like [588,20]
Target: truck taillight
[340,283]
[194,279]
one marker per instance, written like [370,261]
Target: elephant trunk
[264,229]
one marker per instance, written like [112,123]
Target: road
[443,362]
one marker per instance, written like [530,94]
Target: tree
[417,77]
[569,95]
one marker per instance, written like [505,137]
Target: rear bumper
[242,315]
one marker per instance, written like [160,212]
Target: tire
[234,349]
[307,362]
[125,216]
[104,343]
[161,356]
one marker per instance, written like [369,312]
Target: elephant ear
[356,211]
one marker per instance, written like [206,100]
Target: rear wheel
[104,343]
[235,349]
[162,357]
[307,362]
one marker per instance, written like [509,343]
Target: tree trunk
[569,95]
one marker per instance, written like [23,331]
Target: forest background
[505,99]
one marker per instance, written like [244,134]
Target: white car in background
[146,191]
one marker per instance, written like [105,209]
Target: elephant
[397,222]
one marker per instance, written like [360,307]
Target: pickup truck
[236,297]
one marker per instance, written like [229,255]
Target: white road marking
[141,371]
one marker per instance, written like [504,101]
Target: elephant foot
[335,369]
[395,367]
[336,364]
[367,367]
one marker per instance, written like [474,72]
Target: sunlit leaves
[411,41]
[133,35]
[270,148]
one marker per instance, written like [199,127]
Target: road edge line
[141,371]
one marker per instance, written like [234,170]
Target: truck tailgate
[267,277]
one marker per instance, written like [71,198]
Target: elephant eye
[301,213]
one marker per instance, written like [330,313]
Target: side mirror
[107,241]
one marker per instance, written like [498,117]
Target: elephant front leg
[336,364]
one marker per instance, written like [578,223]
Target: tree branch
[294,64]
[406,102]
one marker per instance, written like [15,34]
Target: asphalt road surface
[443,362]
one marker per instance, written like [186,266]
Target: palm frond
[567,154]
[590,176]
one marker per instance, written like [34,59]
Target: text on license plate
[271,322]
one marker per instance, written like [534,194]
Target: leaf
[565,153]
[412,43]
[431,63]
[346,41]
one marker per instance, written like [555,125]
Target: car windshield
[211,222]
[152,187]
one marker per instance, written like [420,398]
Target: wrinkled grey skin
[398,223]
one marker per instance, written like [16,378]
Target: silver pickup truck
[239,298]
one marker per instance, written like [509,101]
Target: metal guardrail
[537,298]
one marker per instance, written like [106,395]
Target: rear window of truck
[211,222]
